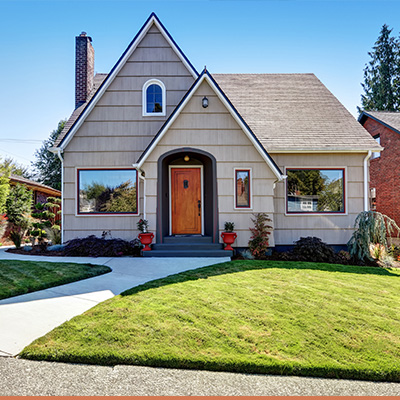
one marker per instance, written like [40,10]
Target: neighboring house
[384,127]
[189,151]
[40,192]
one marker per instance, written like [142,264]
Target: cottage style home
[189,151]
[384,127]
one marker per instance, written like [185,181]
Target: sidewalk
[38,378]
[27,317]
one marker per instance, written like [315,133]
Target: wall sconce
[186,158]
[204,102]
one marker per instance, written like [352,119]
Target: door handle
[199,206]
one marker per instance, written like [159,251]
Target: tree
[47,165]
[381,75]
[18,204]
[15,168]
[4,188]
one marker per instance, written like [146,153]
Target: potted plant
[145,237]
[228,236]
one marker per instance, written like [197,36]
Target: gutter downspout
[62,193]
[366,192]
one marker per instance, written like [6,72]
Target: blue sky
[330,38]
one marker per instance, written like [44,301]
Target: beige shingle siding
[294,112]
[389,118]
[97,81]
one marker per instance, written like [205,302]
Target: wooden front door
[186,201]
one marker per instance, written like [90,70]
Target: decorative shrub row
[93,246]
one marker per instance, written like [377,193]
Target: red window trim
[236,204]
[107,213]
[318,212]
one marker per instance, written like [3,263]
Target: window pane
[243,189]
[154,99]
[314,190]
[107,191]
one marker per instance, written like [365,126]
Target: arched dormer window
[154,98]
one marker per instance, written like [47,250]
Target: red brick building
[384,127]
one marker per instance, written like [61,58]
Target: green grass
[20,277]
[292,318]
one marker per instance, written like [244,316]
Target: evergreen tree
[19,204]
[14,167]
[47,165]
[381,75]
[4,187]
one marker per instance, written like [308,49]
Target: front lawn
[292,318]
[20,277]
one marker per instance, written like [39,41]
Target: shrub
[93,246]
[229,226]
[313,249]
[54,234]
[258,243]
[372,228]
[16,234]
[143,225]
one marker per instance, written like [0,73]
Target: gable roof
[97,81]
[34,185]
[77,117]
[389,119]
[295,113]
[206,76]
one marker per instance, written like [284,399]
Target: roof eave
[364,115]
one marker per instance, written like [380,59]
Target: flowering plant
[143,225]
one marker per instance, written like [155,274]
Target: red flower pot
[228,238]
[146,238]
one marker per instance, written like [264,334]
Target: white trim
[305,151]
[144,99]
[366,191]
[117,69]
[235,188]
[204,77]
[201,195]
[62,194]
[319,214]
[77,214]
[140,176]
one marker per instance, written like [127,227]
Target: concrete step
[187,253]
[187,246]
[187,239]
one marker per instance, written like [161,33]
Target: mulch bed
[37,251]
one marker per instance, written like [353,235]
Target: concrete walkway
[30,316]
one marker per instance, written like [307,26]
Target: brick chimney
[84,68]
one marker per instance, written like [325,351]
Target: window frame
[107,214]
[144,98]
[235,206]
[376,154]
[317,213]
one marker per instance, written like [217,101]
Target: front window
[315,191]
[107,191]
[242,188]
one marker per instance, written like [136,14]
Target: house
[188,151]
[384,127]
[40,192]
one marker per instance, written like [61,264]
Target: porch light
[204,102]
[186,158]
